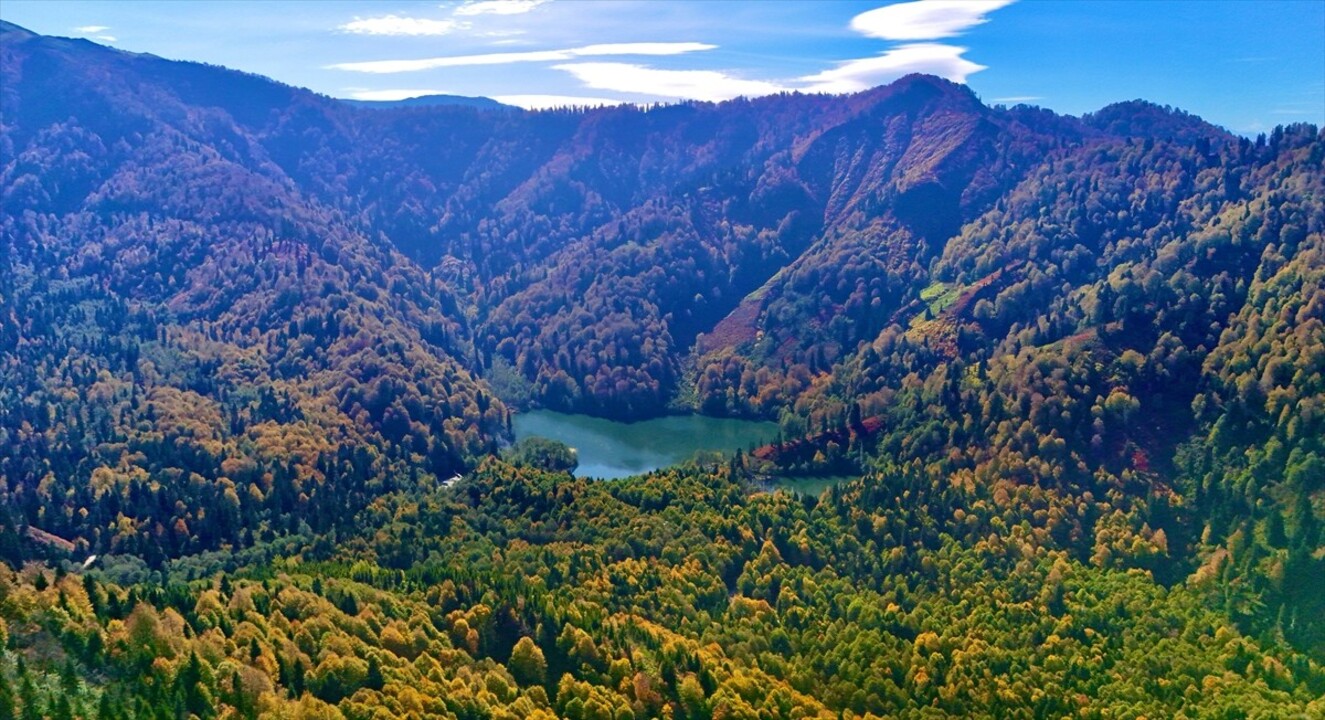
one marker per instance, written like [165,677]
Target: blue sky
[1245,64]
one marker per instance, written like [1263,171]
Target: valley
[1049,392]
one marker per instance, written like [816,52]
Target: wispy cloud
[914,26]
[710,85]
[98,32]
[498,7]
[923,20]
[926,19]
[400,66]
[396,25]
[543,102]
[946,61]
[1017,99]
[717,85]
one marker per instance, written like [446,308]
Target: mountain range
[236,314]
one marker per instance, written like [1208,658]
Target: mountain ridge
[484,103]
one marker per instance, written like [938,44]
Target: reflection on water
[609,449]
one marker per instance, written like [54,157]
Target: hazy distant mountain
[481,103]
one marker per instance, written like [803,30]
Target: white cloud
[91,29]
[920,20]
[399,66]
[107,38]
[383,67]
[396,25]
[1017,99]
[389,95]
[946,61]
[642,48]
[542,102]
[498,7]
[712,85]
[906,21]
[926,19]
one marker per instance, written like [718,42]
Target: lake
[609,449]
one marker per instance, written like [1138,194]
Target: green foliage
[542,453]
[533,593]
[527,663]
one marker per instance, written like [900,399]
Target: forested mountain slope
[246,329]
[182,321]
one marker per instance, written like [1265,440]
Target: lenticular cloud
[925,20]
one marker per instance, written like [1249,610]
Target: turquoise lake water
[608,449]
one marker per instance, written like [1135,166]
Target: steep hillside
[182,322]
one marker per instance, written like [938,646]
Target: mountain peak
[1142,118]
[930,85]
[931,81]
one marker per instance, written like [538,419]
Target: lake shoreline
[611,449]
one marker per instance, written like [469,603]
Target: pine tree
[27,695]
[8,710]
[374,679]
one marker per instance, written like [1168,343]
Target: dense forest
[248,334]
